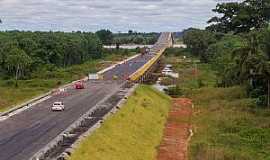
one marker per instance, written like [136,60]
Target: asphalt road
[23,134]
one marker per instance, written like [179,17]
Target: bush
[261,100]
[176,52]
[200,83]
[10,82]
[166,81]
[174,91]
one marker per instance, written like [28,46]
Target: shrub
[167,81]
[261,100]
[174,91]
[10,82]
[200,83]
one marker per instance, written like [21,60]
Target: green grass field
[133,133]
[44,81]
[227,124]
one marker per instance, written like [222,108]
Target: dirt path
[177,131]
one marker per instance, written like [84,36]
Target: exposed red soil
[174,145]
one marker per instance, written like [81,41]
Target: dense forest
[22,53]
[133,37]
[237,45]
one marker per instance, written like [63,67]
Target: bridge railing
[140,72]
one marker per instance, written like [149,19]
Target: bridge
[139,68]
[24,133]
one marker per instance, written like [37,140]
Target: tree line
[132,37]
[135,38]
[237,45]
[22,53]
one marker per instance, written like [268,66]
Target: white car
[58,106]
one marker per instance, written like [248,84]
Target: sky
[116,15]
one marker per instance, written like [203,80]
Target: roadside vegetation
[48,77]
[226,75]
[133,37]
[237,48]
[227,123]
[133,133]
[32,63]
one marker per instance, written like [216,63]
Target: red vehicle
[79,85]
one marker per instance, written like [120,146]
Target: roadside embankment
[226,122]
[133,133]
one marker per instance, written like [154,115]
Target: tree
[220,53]
[265,42]
[28,45]
[238,17]
[17,62]
[58,49]
[248,54]
[105,36]
[198,41]
[94,48]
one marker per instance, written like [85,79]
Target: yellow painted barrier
[135,76]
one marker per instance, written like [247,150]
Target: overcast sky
[116,15]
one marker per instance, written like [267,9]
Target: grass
[47,79]
[133,133]
[10,95]
[227,124]
[189,79]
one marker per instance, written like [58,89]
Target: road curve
[23,134]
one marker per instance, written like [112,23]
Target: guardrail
[140,72]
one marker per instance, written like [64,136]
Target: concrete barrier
[141,71]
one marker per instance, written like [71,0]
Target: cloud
[91,15]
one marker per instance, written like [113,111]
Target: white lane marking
[23,108]
[2,118]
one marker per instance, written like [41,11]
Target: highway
[24,134]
